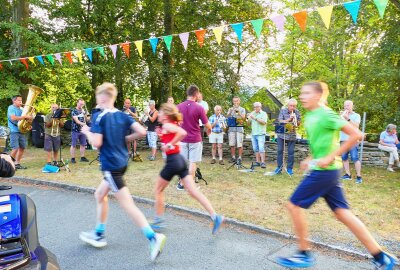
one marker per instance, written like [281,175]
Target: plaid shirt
[284,115]
[218,128]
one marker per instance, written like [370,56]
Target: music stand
[232,122]
[59,114]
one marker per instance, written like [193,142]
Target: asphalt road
[190,245]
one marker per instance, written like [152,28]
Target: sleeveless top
[166,138]
[151,126]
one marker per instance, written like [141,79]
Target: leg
[19,155]
[153,151]
[346,166]
[55,155]
[262,157]
[134,146]
[357,165]
[220,152]
[82,149]
[13,153]
[102,202]
[261,147]
[257,156]
[72,151]
[300,225]
[239,143]
[232,143]
[291,145]
[196,194]
[159,191]
[280,153]
[49,154]
[214,150]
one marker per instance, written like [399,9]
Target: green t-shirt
[322,126]
[256,127]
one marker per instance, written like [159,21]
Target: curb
[230,221]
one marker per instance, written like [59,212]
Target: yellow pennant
[326,14]
[139,46]
[78,54]
[32,60]
[218,33]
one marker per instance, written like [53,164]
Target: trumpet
[294,121]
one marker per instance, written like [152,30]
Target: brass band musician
[52,135]
[236,133]
[79,119]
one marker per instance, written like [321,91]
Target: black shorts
[175,165]
[115,178]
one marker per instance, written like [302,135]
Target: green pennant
[168,41]
[100,50]
[381,5]
[50,58]
[258,25]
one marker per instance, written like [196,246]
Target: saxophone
[26,125]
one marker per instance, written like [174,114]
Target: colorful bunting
[40,58]
[114,48]
[139,46]
[58,57]
[69,56]
[153,41]
[78,53]
[238,28]
[101,51]
[184,37]
[279,22]
[381,5]
[353,8]
[126,47]
[326,14]
[257,25]
[1,66]
[32,60]
[218,33]
[168,41]
[200,36]
[301,19]
[23,61]
[50,58]
[89,53]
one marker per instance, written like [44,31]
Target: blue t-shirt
[389,139]
[13,125]
[113,125]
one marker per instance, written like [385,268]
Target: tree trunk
[167,61]
[20,16]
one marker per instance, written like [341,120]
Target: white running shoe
[390,169]
[93,239]
[157,245]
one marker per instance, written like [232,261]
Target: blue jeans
[353,154]
[258,142]
[290,151]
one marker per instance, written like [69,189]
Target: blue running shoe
[217,223]
[277,171]
[298,260]
[290,172]
[346,177]
[358,180]
[388,263]
[158,224]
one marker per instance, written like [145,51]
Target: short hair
[192,90]
[127,99]
[15,97]
[236,97]
[217,106]
[152,102]
[293,101]
[257,104]
[390,127]
[348,101]
[107,88]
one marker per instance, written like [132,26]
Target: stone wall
[372,156]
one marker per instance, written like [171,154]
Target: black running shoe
[73,160]
[20,167]
[84,159]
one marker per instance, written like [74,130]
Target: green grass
[254,197]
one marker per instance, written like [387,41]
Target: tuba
[26,125]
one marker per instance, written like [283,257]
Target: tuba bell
[26,125]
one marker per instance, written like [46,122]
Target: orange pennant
[200,36]
[301,18]
[23,61]
[1,66]
[69,56]
[125,47]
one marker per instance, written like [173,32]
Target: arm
[262,120]
[154,117]
[180,133]
[75,118]
[95,139]
[18,118]
[138,132]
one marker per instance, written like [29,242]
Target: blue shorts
[317,184]
[78,137]
[353,154]
[258,142]
[17,140]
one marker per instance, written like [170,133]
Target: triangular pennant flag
[238,28]
[168,41]
[381,5]
[32,60]
[279,22]
[50,58]
[58,57]
[40,58]
[23,61]
[1,66]
[218,33]
[258,25]
[139,46]
[301,18]
[100,50]
[114,50]
[89,53]
[200,36]
[153,41]
[69,56]
[78,54]
[184,37]
[125,47]
[353,8]
[326,14]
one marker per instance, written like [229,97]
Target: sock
[100,228]
[379,257]
[148,232]
[233,157]
[213,216]
[158,218]
[304,252]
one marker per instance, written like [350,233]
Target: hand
[8,159]
[326,161]
[27,117]
[304,164]
[85,129]
[208,132]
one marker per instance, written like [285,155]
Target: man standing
[78,120]
[289,115]
[192,144]
[52,139]
[258,119]
[236,132]
[131,111]
[216,137]
[354,119]
[203,104]
[17,139]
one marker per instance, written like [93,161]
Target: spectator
[203,104]
[130,111]
[387,143]
[79,119]
[216,138]
[151,123]
[170,100]
[236,132]
[258,119]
